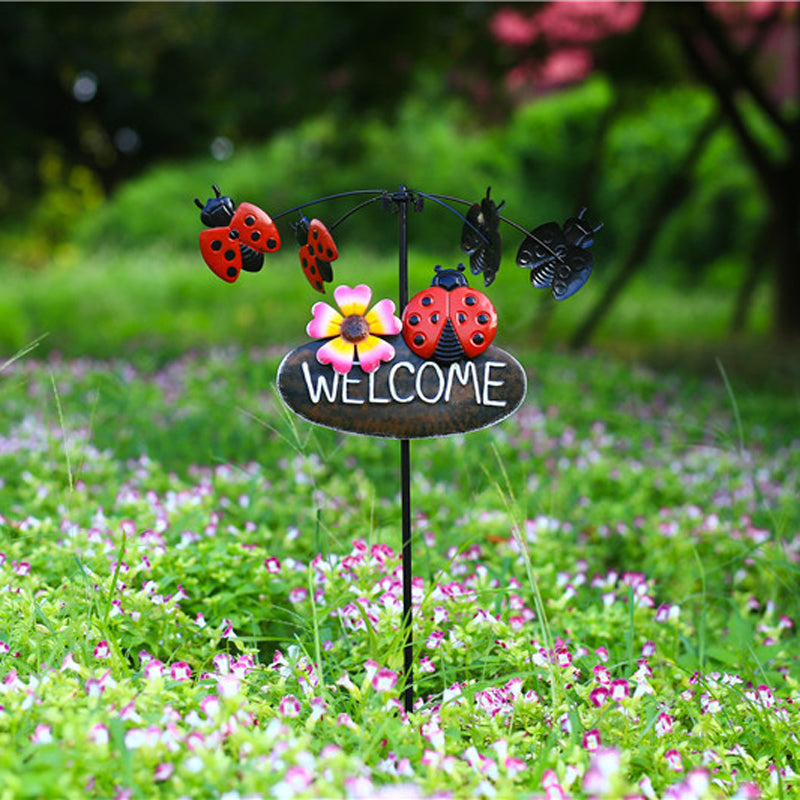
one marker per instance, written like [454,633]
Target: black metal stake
[402,199]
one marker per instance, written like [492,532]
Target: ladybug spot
[304,262]
[272,243]
[255,236]
[230,255]
[311,249]
[249,220]
[413,319]
[216,245]
[427,300]
[483,318]
[477,338]
[435,318]
[329,253]
[315,234]
[231,272]
[319,249]
[233,233]
[419,340]
[471,300]
[319,286]
[462,317]
[312,269]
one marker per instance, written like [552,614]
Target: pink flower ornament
[356,330]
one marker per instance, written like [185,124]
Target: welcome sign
[406,398]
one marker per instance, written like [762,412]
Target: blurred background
[676,124]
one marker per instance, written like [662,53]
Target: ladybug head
[579,231]
[449,279]
[300,229]
[218,211]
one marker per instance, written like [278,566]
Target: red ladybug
[449,320]
[236,239]
[317,250]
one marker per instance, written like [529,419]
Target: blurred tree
[746,54]
[113,86]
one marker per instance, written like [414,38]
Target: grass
[202,593]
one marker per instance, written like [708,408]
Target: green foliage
[621,527]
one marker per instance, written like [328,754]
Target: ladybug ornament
[237,238]
[449,320]
[317,250]
[558,256]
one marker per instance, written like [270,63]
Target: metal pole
[402,199]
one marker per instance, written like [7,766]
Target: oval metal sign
[406,398]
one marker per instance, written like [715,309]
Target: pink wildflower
[591,739]
[599,695]
[674,761]
[153,669]
[163,771]
[42,734]
[98,734]
[663,724]
[619,689]
[384,680]
[181,671]
[273,565]
[289,706]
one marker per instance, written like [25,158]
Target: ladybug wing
[316,255]
[487,259]
[221,252]
[474,319]
[255,228]
[471,239]
[424,319]
[542,246]
[569,276]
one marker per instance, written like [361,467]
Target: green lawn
[201,593]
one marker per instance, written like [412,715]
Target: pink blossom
[599,695]
[591,739]
[70,663]
[163,771]
[181,671]
[433,733]
[298,594]
[98,734]
[674,761]
[601,674]
[384,680]
[210,705]
[42,734]
[289,706]
[153,669]
[663,724]
[619,689]
[273,565]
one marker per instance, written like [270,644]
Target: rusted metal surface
[406,398]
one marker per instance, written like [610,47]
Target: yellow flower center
[354,329]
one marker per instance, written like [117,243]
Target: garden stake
[402,199]
[435,372]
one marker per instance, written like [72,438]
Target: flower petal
[372,351]
[337,352]
[353,301]
[381,318]
[326,322]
